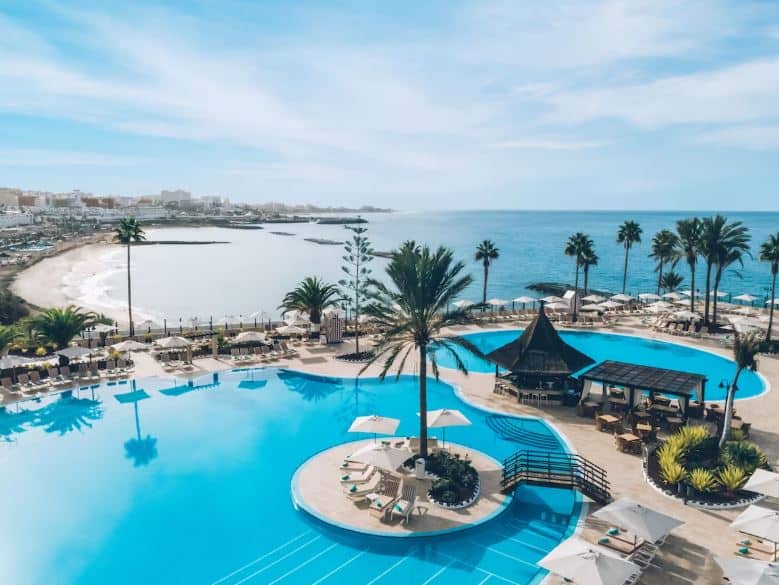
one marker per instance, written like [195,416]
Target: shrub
[702,480]
[672,472]
[692,436]
[731,478]
[40,351]
[743,454]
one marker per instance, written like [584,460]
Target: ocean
[253,271]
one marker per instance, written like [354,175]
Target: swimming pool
[626,348]
[162,481]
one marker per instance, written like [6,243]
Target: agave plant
[672,472]
[743,454]
[731,478]
[702,480]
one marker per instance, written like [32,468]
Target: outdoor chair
[405,505]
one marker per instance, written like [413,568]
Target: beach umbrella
[594,299]
[552,299]
[772,302]
[130,345]
[147,324]
[558,306]
[643,522]
[745,324]
[649,297]
[463,304]
[610,305]
[373,423]
[746,298]
[381,455]
[173,342]
[498,302]
[763,482]
[249,336]
[739,571]
[586,564]
[687,316]
[290,330]
[591,308]
[674,296]
[525,300]
[445,417]
[719,294]
[622,298]
[759,522]
[660,306]
[74,351]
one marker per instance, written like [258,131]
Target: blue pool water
[625,348]
[162,481]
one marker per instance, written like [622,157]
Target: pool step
[512,429]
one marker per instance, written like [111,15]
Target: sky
[495,104]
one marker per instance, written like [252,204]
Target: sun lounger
[35,379]
[9,386]
[357,492]
[55,379]
[357,477]
[405,505]
[348,465]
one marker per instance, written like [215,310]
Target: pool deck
[317,489]
[687,556]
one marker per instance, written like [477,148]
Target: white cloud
[59,158]
[546,144]
[749,137]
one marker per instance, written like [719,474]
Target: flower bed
[455,481]
[691,465]
[357,358]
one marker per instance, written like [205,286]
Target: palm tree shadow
[310,387]
[13,423]
[68,414]
[141,450]
[356,401]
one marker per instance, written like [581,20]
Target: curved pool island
[318,489]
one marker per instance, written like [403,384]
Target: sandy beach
[76,277]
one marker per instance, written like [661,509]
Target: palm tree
[128,232]
[717,238]
[589,259]
[629,233]
[59,326]
[311,296]
[486,253]
[663,244]
[412,310]
[671,281]
[726,257]
[745,349]
[769,252]
[687,249]
[575,247]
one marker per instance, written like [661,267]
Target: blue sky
[608,104]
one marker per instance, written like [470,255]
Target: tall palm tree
[745,349]
[575,248]
[311,296]
[663,244]
[59,326]
[589,259]
[412,310]
[769,252]
[688,248]
[717,238]
[629,233]
[129,232]
[726,257]
[486,253]
[671,281]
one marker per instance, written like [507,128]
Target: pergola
[639,379]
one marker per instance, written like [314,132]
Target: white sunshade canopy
[445,417]
[290,330]
[674,296]
[687,316]
[130,345]
[594,299]
[758,521]
[764,482]
[498,302]
[558,306]
[591,308]
[649,297]
[688,293]
[552,299]
[719,294]
[373,423]
[772,302]
[746,297]
[660,306]
[622,298]
[247,336]
[749,571]
[173,342]
[638,519]
[381,455]
[463,304]
[587,564]
[525,299]
[610,304]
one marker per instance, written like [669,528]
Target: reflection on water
[142,450]
[312,388]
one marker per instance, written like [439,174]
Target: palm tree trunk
[576,292]
[484,288]
[586,278]
[129,293]
[717,279]
[771,310]
[660,277]
[728,420]
[692,287]
[137,422]
[706,299]
[625,271]
[423,401]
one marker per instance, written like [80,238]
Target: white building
[178,196]
[12,220]
[9,197]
